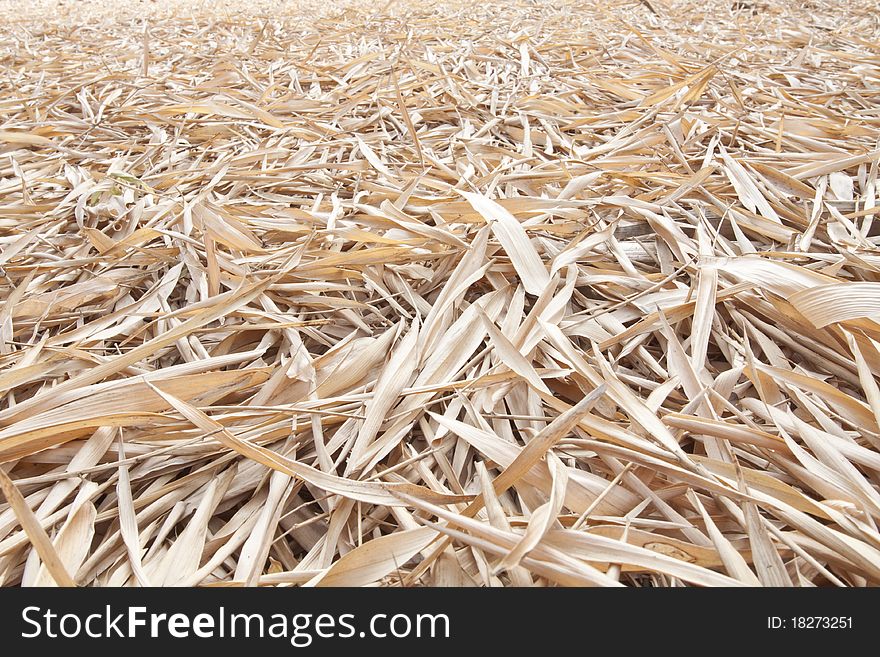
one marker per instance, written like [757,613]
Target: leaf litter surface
[455,294]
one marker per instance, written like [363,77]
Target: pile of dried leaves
[479,293]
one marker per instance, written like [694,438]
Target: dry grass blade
[35,532]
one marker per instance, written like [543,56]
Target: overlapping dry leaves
[509,293]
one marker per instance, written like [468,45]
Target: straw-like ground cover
[510,293]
